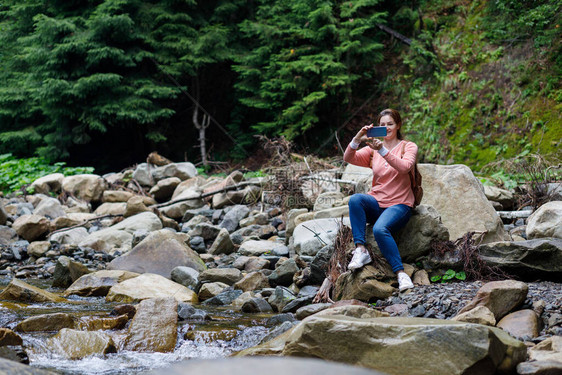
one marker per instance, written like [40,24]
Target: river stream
[228,331]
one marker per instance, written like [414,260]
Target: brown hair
[395,116]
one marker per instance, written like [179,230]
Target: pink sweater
[391,182]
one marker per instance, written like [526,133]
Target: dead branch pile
[466,248]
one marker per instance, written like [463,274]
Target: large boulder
[311,236]
[433,346]
[154,327]
[51,183]
[159,253]
[459,197]
[500,297]
[368,284]
[363,177]
[21,291]
[31,227]
[416,238]
[73,344]
[88,187]
[546,221]
[526,259]
[147,286]
[262,365]
[98,283]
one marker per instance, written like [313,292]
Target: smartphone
[377,131]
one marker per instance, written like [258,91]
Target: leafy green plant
[17,173]
[253,174]
[448,276]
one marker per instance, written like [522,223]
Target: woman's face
[391,126]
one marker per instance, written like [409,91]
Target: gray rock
[311,236]
[276,331]
[142,175]
[281,251]
[71,237]
[453,188]
[186,276]
[280,318]
[31,227]
[265,365]
[222,244]
[47,184]
[501,196]
[49,207]
[283,274]
[328,200]
[256,305]
[309,310]
[546,221]
[296,304]
[257,248]
[197,243]
[526,259]
[67,271]
[280,297]
[205,230]
[88,187]
[138,236]
[186,311]
[183,171]
[226,297]
[228,276]
[232,218]
[164,189]
[308,291]
[319,264]
[204,211]
[539,368]
[159,253]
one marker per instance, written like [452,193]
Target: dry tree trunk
[202,126]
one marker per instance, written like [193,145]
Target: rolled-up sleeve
[406,163]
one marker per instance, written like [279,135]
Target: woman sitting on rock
[389,202]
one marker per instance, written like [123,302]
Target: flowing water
[228,331]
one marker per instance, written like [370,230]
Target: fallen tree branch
[395,34]
[84,223]
[335,180]
[208,194]
[514,214]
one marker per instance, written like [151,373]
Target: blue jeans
[363,209]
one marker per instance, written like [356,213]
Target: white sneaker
[404,282]
[360,258]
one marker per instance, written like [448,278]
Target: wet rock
[526,259]
[522,324]
[46,322]
[256,305]
[367,284]
[148,286]
[228,276]
[209,335]
[185,276]
[128,310]
[478,315]
[256,248]
[242,299]
[153,329]
[98,283]
[452,188]
[265,365]
[31,227]
[283,274]
[159,253]
[209,290]
[380,343]
[226,297]
[187,312]
[546,221]
[9,338]
[96,323]
[280,297]
[67,271]
[223,244]
[88,187]
[20,291]
[73,344]
[500,297]
[252,281]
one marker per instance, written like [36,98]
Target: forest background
[103,83]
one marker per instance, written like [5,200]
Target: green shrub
[17,173]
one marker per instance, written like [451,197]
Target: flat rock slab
[21,291]
[400,346]
[73,344]
[147,286]
[154,327]
[262,365]
[257,248]
[13,368]
[98,283]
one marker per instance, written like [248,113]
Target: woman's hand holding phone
[361,135]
